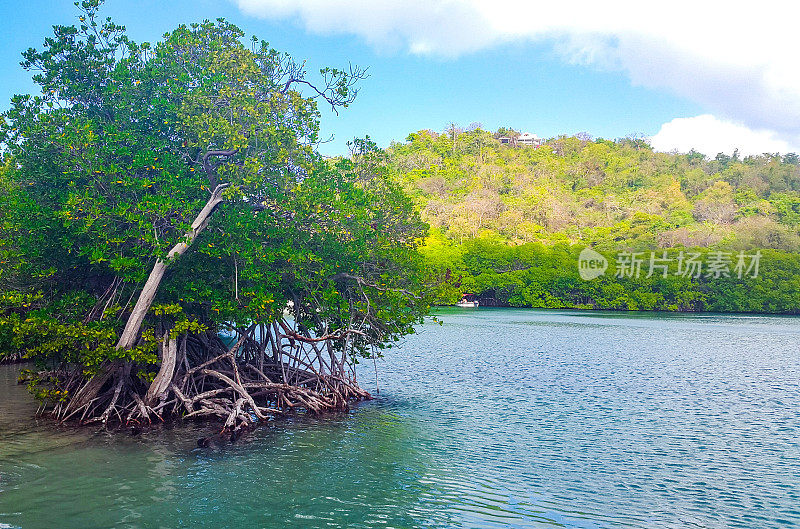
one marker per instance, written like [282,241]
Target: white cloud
[440,27]
[736,59]
[710,136]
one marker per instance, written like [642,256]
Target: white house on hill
[529,139]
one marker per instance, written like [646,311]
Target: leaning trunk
[134,324]
[130,334]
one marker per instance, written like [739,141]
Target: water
[498,418]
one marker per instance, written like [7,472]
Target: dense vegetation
[172,244]
[154,197]
[508,222]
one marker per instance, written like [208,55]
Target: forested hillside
[508,222]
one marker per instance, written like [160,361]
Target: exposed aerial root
[261,376]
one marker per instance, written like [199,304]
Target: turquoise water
[498,418]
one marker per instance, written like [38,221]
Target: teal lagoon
[496,418]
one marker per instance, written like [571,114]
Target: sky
[710,76]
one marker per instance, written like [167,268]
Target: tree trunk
[163,379]
[134,324]
[129,336]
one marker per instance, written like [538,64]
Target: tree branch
[289,333]
[362,281]
[212,176]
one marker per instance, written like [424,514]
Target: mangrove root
[268,371]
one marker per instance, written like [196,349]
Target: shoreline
[616,311]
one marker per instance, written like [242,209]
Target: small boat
[467,304]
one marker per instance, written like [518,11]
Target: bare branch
[210,172]
[362,281]
[289,333]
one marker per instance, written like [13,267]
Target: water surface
[497,418]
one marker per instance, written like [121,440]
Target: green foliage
[107,169]
[787,207]
[571,189]
[508,222]
[540,276]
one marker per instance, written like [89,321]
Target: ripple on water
[498,418]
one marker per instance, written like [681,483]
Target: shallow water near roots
[498,418]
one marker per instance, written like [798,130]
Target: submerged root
[239,386]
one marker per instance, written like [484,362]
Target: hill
[510,221]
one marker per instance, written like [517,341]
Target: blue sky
[438,61]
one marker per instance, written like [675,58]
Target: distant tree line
[507,224]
